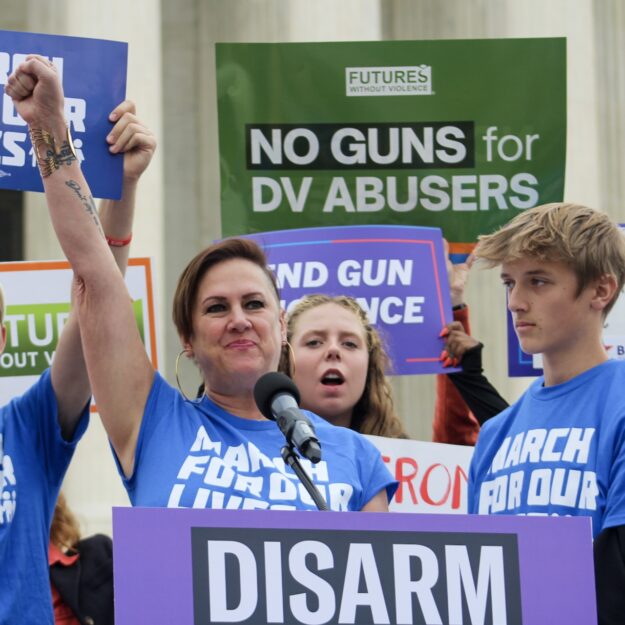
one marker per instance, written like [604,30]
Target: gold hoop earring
[184,351]
[291,358]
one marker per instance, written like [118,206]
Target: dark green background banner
[456,134]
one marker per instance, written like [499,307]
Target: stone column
[609,89]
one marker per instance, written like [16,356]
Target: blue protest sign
[397,274]
[94,80]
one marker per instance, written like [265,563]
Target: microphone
[277,398]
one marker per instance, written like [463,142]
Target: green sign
[455,134]
[33,331]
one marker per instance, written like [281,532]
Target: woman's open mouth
[332,378]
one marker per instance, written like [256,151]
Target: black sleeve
[87,585]
[478,393]
[609,552]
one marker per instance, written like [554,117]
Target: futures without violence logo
[408,80]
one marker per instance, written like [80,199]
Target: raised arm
[69,373]
[471,385]
[119,370]
[453,421]
[479,394]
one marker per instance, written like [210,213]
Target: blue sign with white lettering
[397,274]
[93,73]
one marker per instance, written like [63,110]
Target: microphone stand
[292,459]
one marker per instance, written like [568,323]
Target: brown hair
[189,281]
[374,412]
[584,239]
[64,531]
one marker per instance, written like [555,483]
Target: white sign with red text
[432,476]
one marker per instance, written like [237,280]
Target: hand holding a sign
[457,343]
[457,340]
[132,138]
[458,276]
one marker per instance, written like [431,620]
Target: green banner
[33,331]
[455,134]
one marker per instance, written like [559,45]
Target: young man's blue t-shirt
[195,454]
[33,460]
[559,450]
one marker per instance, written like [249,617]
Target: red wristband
[119,242]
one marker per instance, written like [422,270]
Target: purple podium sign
[201,567]
[397,274]
[93,73]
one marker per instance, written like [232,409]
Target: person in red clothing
[464,400]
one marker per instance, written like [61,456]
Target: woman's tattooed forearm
[65,154]
[87,202]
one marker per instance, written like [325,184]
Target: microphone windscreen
[270,385]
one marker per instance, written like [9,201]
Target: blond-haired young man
[560,449]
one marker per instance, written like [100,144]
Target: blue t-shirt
[194,454]
[33,460]
[558,451]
